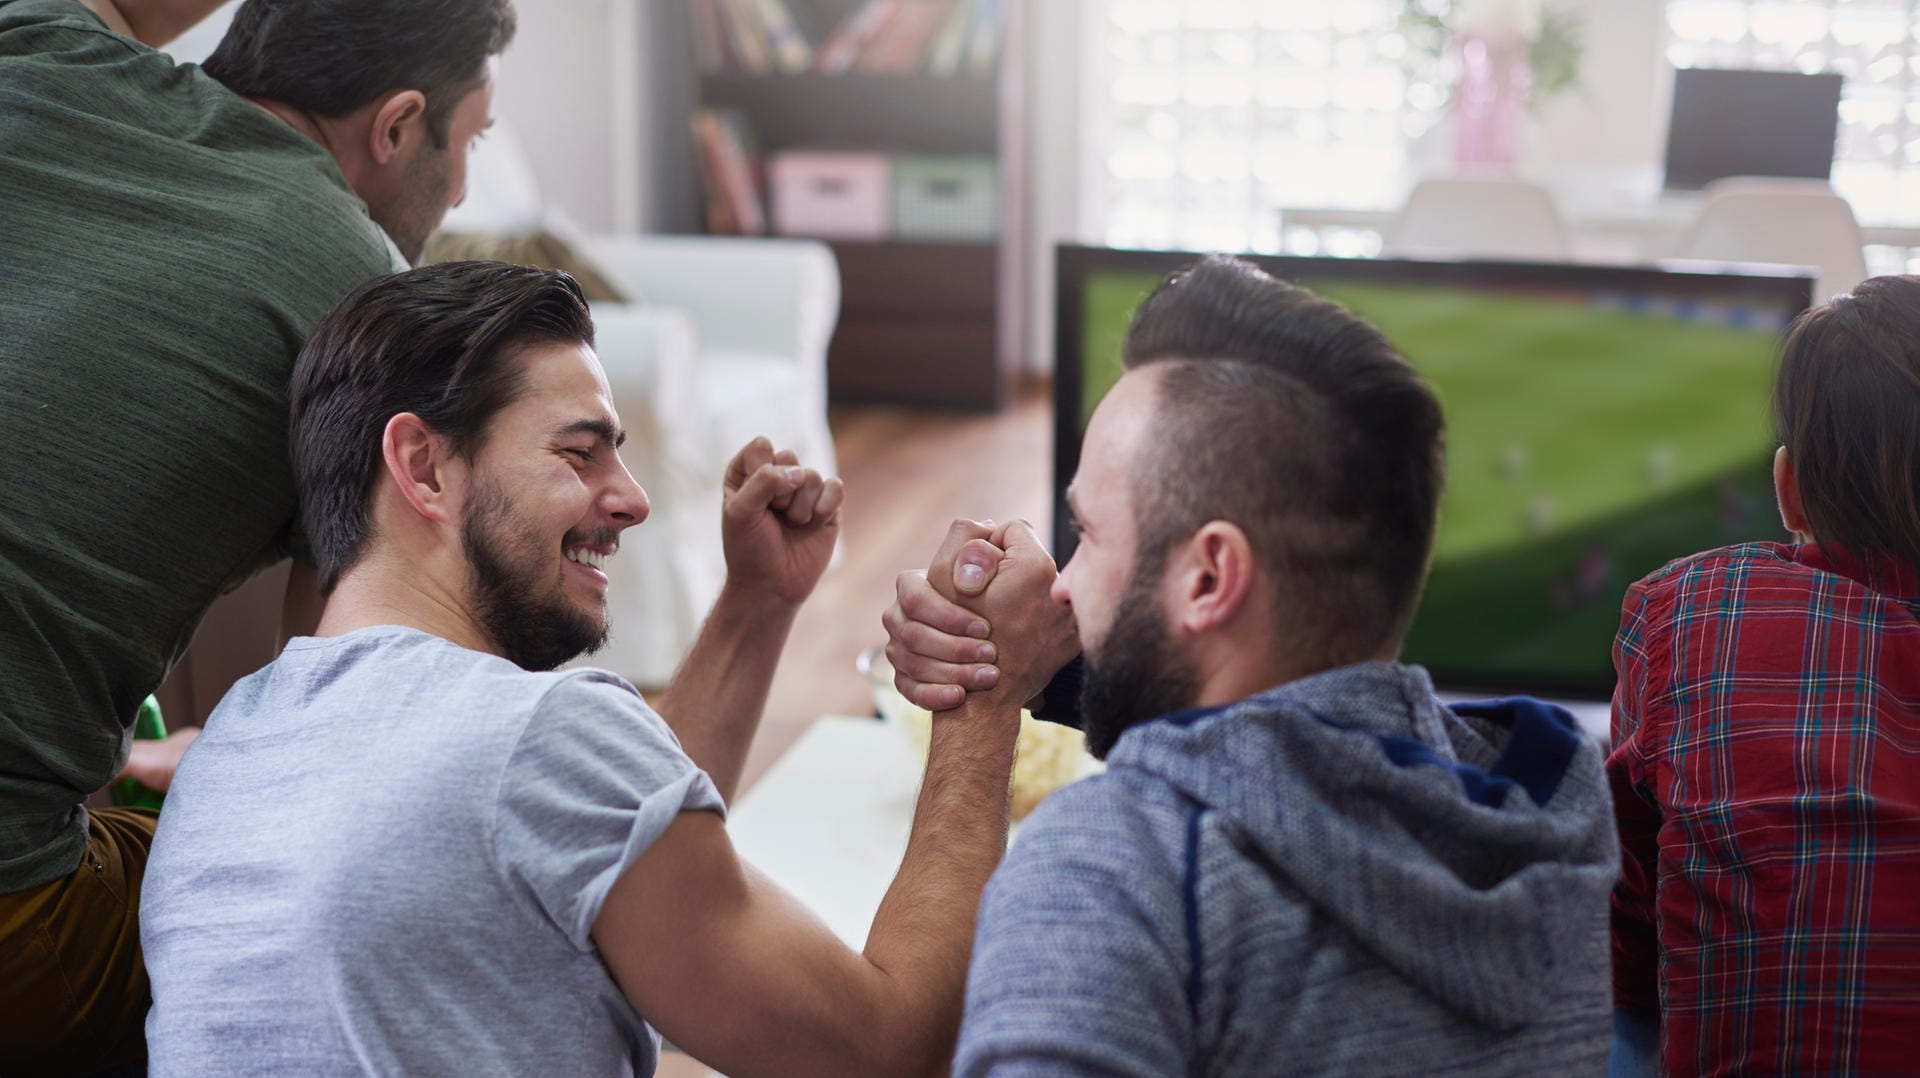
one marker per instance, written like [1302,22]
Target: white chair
[1794,222]
[726,339]
[1480,217]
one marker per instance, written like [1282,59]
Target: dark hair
[329,57]
[1289,416]
[439,342]
[1847,407]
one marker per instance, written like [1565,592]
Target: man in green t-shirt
[169,234]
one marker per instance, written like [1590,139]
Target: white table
[829,820]
[1609,223]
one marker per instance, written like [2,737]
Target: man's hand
[779,522]
[152,763]
[938,627]
[938,648]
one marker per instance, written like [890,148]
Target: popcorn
[1046,756]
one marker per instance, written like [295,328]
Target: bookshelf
[925,323]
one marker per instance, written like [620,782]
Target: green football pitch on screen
[1587,445]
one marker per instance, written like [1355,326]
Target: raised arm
[779,523]
[740,975]
[152,22]
[744,978]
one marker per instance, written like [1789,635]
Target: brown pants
[73,988]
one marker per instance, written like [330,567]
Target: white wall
[197,44]
[1617,116]
[1057,31]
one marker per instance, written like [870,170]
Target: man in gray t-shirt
[420,836]
[406,847]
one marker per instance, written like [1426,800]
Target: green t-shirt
[165,248]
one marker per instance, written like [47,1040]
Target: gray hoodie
[1338,876]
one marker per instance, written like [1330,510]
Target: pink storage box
[844,196]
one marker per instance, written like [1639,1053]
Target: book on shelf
[729,173]
[744,34]
[984,50]
[788,44]
[897,49]
[879,37]
[844,46]
[949,47]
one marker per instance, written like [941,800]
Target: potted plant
[1501,59]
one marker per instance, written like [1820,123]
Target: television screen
[1601,421]
[1750,123]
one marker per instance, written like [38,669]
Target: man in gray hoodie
[1298,860]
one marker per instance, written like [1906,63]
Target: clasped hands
[981,618]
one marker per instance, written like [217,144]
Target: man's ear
[398,119]
[416,460]
[1214,574]
[1787,489]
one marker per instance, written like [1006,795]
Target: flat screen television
[1601,421]
[1750,123]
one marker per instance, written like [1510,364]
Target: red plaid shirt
[1766,777]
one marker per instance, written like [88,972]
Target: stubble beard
[412,213]
[523,609]
[1136,674]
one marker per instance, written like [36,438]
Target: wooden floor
[908,474]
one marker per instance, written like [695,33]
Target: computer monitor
[1601,421]
[1750,123]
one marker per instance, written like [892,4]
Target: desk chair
[1480,217]
[1794,222]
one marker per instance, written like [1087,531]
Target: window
[1207,116]
[1873,44]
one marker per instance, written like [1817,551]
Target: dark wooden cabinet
[918,325]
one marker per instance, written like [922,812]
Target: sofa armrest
[767,296]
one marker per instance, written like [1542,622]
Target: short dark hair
[1846,405]
[1294,419]
[440,342]
[329,57]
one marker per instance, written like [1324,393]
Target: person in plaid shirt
[1766,738]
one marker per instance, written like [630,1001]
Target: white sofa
[725,340]
[728,343]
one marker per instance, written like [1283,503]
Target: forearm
[716,699]
[922,934]
[152,22]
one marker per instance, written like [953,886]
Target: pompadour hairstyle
[1294,419]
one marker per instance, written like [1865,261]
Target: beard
[1137,674]
[521,606]
[412,213]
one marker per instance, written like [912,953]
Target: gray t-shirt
[386,855]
